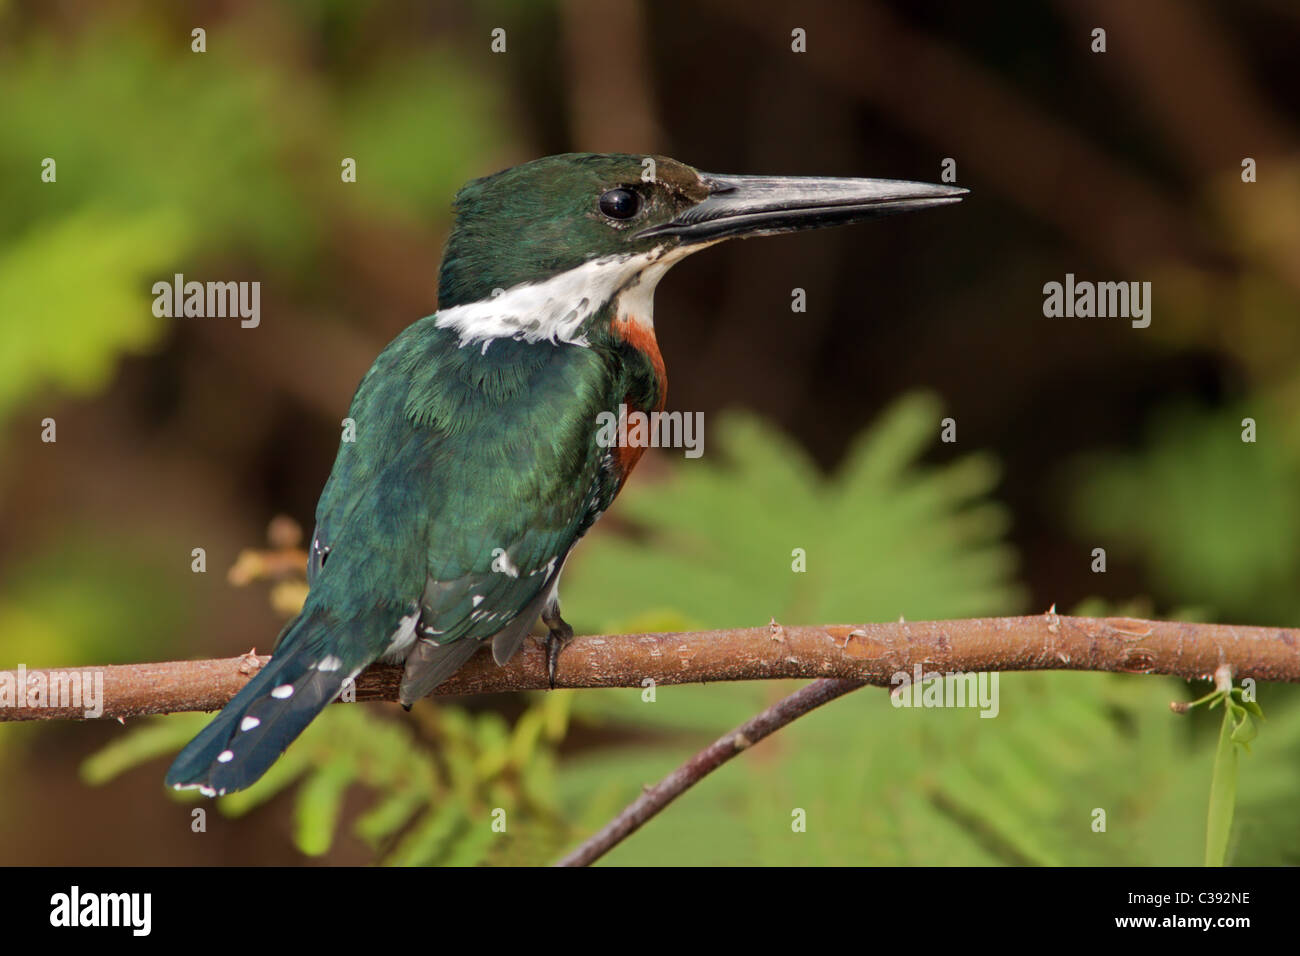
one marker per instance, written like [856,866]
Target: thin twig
[871,653]
[653,799]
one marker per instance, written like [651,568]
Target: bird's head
[624,220]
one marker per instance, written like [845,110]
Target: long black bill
[766,205]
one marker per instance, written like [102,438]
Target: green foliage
[211,184]
[884,537]
[80,601]
[1236,732]
[210,161]
[408,166]
[881,785]
[435,800]
[78,255]
[73,287]
[885,786]
[1215,520]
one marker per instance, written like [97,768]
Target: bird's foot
[556,641]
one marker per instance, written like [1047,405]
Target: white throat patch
[555,309]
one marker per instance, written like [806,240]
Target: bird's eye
[620,203]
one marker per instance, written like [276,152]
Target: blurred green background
[822,427]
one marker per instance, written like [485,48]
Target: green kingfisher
[474,461]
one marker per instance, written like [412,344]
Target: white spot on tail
[478,599]
[248,723]
[283,692]
[329,663]
[225,756]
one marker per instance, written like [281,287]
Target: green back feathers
[459,452]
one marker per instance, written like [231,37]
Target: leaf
[320,800]
[389,815]
[354,746]
[147,743]
[75,294]
[471,848]
[884,536]
[1244,730]
[1223,795]
[426,840]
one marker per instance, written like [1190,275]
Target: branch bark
[867,653]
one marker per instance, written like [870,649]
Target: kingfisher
[474,460]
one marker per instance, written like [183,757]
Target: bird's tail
[308,670]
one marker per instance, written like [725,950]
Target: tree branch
[654,799]
[868,653]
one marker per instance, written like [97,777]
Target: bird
[474,461]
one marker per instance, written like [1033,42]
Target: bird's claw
[556,641]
